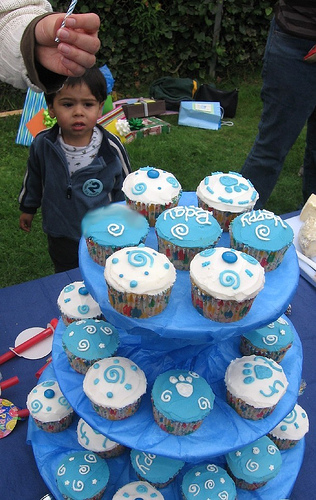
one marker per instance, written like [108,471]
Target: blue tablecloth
[34,304]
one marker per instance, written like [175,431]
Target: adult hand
[77,47]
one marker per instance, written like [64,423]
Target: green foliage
[144,39]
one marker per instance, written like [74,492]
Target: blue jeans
[289,100]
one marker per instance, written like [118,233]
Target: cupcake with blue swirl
[263,235]
[138,490]
[49,408]
[183,231]
[88,341]
[115,386]
[291,429]
[252,466]
[139,281]
[224,283]
[272,341]
[226,195]
[208,482]
[181,400]
[76,303]
[150,191]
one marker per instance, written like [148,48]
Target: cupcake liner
[117,413]
[68,319]
[247,349]
[58,426]
[138,305]
[152,210]
[224,218]
[156,485]
[241,483]
[173,427]
[180,256]
[269,260]
[115,452]
[283,444]
[223,311]
[80,365]
[247,411]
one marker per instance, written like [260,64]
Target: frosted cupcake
[208,482]
[88,341]
[263,235]
[82,475]
[157,470]
[183,231]
[252,466]
[138,490]
[254,386]
[150,191]
[76,303]
[291,429]
[49,408]
[272,341]
[226,195]
[139,281]
[181,400]
[93,440]
[115,387]
[108,229]
[225,283]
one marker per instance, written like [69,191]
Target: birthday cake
[263,235]
[226,195]
[255,385]
[115,387]
[87,341]
[108,229]
[184,231]
[139,281]
[150,191]
[225,282]
[76,303]
[181,399]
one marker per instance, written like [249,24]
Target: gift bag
[34,102]
[227,99]
[200,114]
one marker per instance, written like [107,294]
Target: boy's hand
[26,222]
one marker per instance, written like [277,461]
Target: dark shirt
[297,17]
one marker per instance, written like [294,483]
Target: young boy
[72,168]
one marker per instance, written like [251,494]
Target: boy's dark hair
[93,78]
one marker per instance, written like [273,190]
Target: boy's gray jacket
[65,199]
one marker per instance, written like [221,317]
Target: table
[34,304]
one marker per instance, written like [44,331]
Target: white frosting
[47,403]
[139,270]
[307,237]
[138,490]
[294,426]
[151,185]
[240,279]
[114,382]
[93,440]
[257,380]
[309,209]
[75,301]
[227,192]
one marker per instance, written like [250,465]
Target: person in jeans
[289,99]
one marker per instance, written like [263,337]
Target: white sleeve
[15,16]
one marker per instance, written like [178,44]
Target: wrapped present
[150,126]
[114,122]
[144,108]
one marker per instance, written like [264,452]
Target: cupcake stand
[178,338]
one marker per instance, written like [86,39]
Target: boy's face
[77,111]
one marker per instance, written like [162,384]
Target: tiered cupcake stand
[179,337]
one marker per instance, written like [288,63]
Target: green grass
[189,153]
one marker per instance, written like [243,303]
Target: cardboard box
[152,126]
[144,108]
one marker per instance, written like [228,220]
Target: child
[73,167]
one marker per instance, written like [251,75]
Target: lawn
[189,153]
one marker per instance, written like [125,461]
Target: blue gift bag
[200,114]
